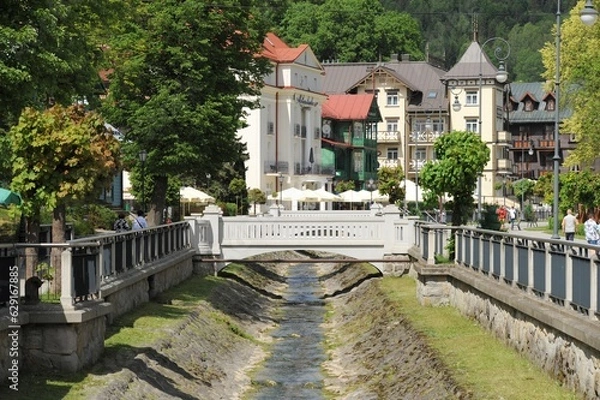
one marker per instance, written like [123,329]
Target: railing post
[214,214]
[391,214]
[66,283]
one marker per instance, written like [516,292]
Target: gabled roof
[348,107]
[472,62]
[417,76]
[277,50]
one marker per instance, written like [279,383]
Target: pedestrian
[139,222]
[512,217]
[569,225]
[121,224]
[591,230]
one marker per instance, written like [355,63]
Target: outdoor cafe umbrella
[8,197]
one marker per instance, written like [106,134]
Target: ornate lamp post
[143,155]
[501,52]
[371,186]
[588,16]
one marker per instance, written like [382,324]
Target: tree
[577,190]
[351,30]
[390,183]
[237,187]
[256,196]
[184,73]
[60,156]
[580,85]
[49,56]
[523,189]
[461,157]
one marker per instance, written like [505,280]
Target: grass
[136,329]
[478,361]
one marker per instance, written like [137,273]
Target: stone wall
[64,347]
[549,336]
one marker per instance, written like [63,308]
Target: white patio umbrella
[352,196]
[191,195]
[289,194]
[380,198]
[324,195]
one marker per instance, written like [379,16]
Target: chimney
[405,57]
[394,58]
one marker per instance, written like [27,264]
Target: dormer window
[550,105]
[528,105]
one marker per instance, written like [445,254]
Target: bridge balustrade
[560,271]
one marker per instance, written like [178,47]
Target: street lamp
[588,16]
[530,152]
[280,192]
[143,155]
[371,186]
[501,54]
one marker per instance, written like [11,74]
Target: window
[529,105]
[472,125]
[392,98]
[392,153]
[392,125]
[550,105]
[472,98]
[420,125]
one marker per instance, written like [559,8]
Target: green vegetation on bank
[478,361]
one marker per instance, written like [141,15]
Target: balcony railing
[388,137]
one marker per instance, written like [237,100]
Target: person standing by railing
[569,225]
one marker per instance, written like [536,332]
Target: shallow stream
[293,370]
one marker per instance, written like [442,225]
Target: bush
[489,218]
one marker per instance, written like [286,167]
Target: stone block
[60,340]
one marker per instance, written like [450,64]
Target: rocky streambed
[371,351]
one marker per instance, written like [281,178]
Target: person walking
[139,221]
[121,224]
[591,230]
[569,225]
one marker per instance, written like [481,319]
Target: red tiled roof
[348,106]
[277,50]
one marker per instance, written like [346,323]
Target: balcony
[272,168]
[388,162]
[503,164]
[503,137]
[388,137]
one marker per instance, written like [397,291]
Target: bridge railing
[560,271]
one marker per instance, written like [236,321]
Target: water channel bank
[217,350]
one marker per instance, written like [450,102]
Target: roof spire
[475,28]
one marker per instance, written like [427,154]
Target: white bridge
[374,235]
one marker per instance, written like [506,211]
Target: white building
[283,136]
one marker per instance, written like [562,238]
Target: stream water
[293,370]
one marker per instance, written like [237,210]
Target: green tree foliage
[578,190]
[351,30]
[461,157]
[60,157]
[523,188]
[256,196]
[390,183]
[49,56]
[184,71]
[342,186]
[578,69]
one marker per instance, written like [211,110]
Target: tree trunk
[32,235]
[58,236]
[159,194]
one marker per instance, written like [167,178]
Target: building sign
[306,101]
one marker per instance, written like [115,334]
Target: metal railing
[560,271]
[87,264]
